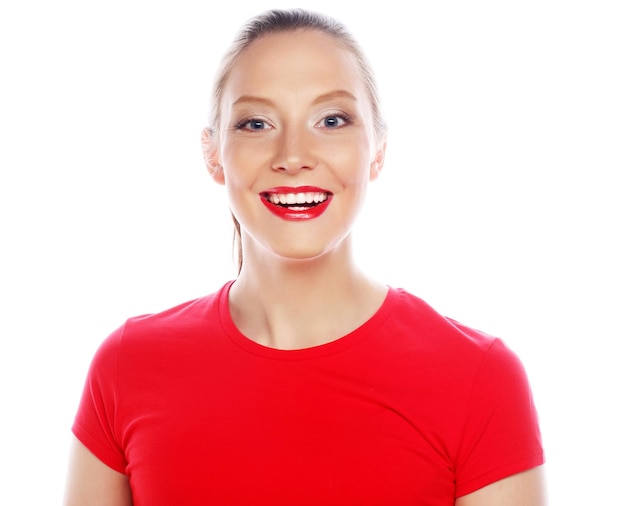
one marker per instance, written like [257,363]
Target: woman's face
[296,145]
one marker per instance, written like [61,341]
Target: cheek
[238,163]
[351,162]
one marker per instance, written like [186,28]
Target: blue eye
[256,124]
[252,124]
[335,121]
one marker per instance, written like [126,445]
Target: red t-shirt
[411,408]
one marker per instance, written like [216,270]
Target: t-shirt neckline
[366,329]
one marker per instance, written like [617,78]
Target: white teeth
[297,198]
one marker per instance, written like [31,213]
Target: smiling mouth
[296,204]
[297,201]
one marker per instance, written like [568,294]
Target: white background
[501,203]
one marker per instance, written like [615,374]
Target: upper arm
[523,489]
[90,481]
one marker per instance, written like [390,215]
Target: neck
[291,304]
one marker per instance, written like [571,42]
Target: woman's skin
[90,482]
[294,113]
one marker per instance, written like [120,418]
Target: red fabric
[409,409]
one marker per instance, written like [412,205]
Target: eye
[253,124]
[334,121]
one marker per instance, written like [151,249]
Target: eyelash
[245,124]
[344,117]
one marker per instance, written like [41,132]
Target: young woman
[303,382]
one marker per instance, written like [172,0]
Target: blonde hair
[288,20]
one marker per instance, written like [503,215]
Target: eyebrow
[322,98]
[334,95]
[249,98]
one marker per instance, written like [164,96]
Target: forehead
[303,60]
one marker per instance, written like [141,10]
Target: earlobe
[379,160]
[211,156]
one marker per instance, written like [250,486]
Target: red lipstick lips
[295,204]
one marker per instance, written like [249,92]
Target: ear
[211,156]
[379,160]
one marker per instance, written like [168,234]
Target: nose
[294,150]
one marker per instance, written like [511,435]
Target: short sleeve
[501,434]
[95,421]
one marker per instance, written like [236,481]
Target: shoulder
[194,315]
[455,353]
[183,322]
[422,324]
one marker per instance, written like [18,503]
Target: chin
[300,256]
[299,248]
[310,253]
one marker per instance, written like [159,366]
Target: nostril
[292,168]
